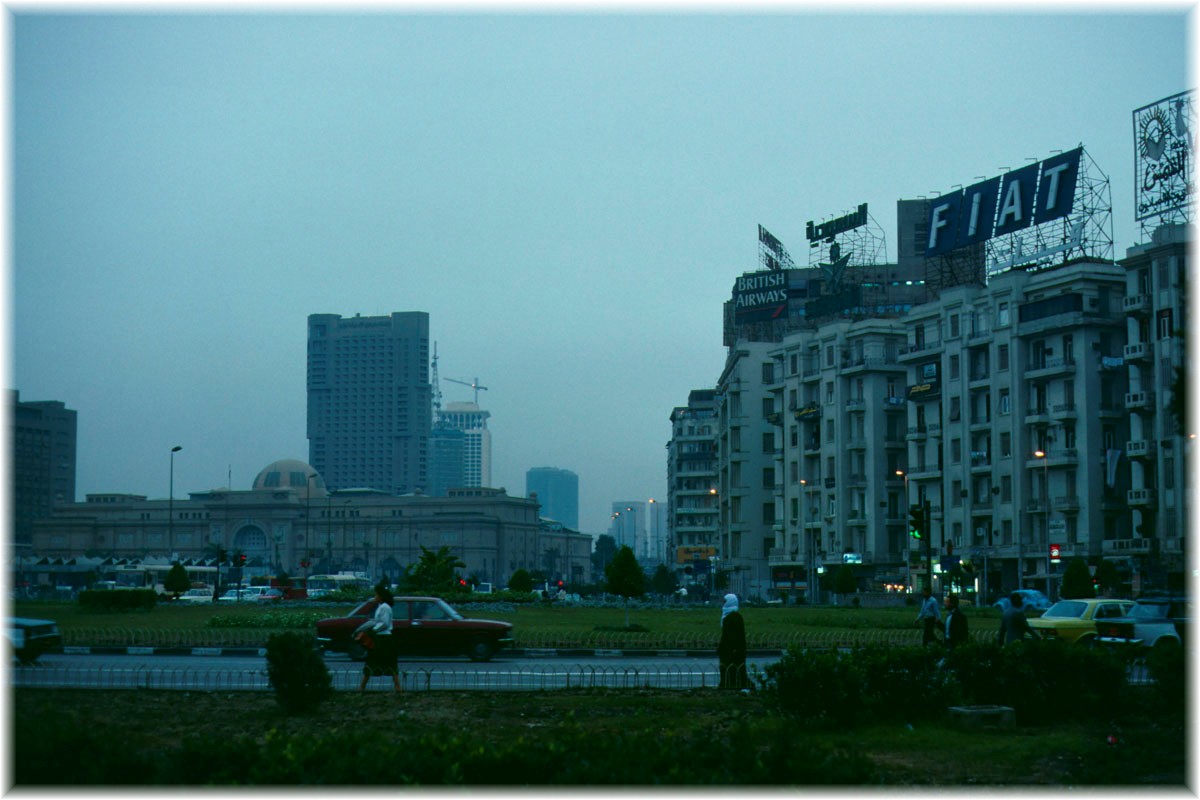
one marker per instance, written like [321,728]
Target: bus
[320,585]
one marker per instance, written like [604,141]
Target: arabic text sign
[1163,133]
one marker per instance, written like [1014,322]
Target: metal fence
[514,678]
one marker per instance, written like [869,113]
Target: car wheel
[26,657]
[1086,642]
[1166,643]
[356,652]
[481,651]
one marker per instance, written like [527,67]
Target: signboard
[1032,195]
[1055,553]
[1162,162]
[761,296]
[920,391]
[827,230]
[851,558]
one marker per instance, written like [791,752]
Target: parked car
[271,595]
[1032,601]
[247,594]
[1074,621]
[195,596]
[424,626]
[29,638]
[1154,621]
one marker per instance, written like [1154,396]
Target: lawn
[534,625]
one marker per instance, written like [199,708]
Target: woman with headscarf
[382,655]
[731,651]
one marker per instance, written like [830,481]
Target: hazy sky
[570,197]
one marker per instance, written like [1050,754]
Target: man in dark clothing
[928,616]
[731,650]
[956,623]
[1013,625]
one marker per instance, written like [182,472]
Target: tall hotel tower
[369,400]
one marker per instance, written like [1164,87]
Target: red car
[423,626]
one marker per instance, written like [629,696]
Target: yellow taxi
[1075,620]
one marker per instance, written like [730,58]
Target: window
[955,408]
[1006,488]
[1005,445]
[1165,327]
[954,364]
[1005,404]
[1002,356]
[1002,314]
[768,476]
[954,325]
[768,513]
[768,372]
[955,451]
[768,443]
[768,406]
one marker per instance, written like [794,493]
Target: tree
[602,556]
[521,581]
[624,577]
[663,580]
[177,581]
[843,582]
[1077,580]
[434,571]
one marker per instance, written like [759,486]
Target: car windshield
[1149,611]
[1066,608]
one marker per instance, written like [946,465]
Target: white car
[248,594]
[196,596]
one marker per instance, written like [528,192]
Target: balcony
[1064,411]
[1140,448]
[1137,304]
[1141,498]
[920,350]
[1048,367]
[1139,401]
[1069,502]
[1137,352]
[857,444]
[916,434]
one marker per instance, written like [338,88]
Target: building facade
[43,462]
[369,401]
[557,491]
[289,518]
[1153,547]
[471,420]
[692,486]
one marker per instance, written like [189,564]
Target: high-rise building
[692,485]
[558,492]
[446,460]
[477,440]
[369,401]
[43,462]
[628,526]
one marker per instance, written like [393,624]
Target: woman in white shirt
[381,656]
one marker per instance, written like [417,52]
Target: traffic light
[916,522]
[242,560]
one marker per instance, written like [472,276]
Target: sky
[569,193]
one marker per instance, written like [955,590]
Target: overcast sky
[570,197]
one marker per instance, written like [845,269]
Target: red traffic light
[462,582]
[242,559]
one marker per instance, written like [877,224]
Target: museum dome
[291,473]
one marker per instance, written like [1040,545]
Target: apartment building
[692,485]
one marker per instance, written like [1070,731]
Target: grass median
[535,625]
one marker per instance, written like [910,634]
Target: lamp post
[171,500]
[1045,457]
[307,512]
[329,532]
[907,543]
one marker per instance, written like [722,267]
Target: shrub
[118,599]
[295,669]
[823,687]
[1168,668]
[1043,681]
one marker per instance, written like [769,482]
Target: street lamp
[907,540]
[171,500]
[307,511]
[1045,457]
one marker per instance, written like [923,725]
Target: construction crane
[473,384]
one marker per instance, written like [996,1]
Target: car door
[408,640]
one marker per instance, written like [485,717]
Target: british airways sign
[1005,204]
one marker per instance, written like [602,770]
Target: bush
[297,672]
[1168,666]
[1043,681]
[118,599]
[822,687]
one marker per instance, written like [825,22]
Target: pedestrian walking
[928,616]
[731,650]
[956,623]
[376,635]
[1014,625]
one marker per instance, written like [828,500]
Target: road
[228,672]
